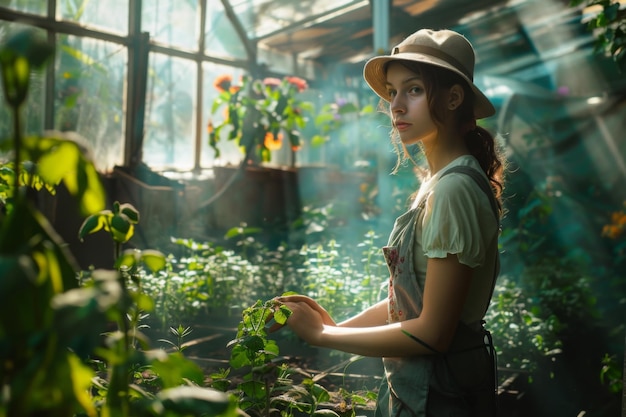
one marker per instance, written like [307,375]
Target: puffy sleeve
[457,220]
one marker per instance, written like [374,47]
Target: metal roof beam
[248,44]
[317,19]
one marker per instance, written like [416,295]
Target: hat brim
[375,76]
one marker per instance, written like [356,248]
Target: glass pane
[229,152]
[89,88]
[29,6]
[172,22]
[110,15]
[262,17]
[170,112]
[221,39]
[33,112]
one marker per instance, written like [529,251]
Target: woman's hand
[326,318]
[306,322]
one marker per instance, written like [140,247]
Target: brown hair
[479,141]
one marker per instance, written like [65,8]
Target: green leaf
[174,369]
[94,223]
[318,140]
[348,108]
[239,357]
[196,401]
[58,163]
[254,389]
[129,211]
[253,343]
[271,348]
[241,231]
[320,393]
[144,302]
[282,314]
[61,159]
[129,258]
[93,197]
[154,260]
[121,228]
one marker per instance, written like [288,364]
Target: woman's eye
[392,93]
[415,90]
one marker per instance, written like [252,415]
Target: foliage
[258,113]
[50,326]
[252,349]
[269,387]
[612,370]
[210,278]
[524,340]
[570,280]
[609,28]
[180,333]
[36,270]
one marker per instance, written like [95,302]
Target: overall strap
[480,180]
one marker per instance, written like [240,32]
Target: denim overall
[460,382]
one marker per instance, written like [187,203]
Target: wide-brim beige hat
[443,48]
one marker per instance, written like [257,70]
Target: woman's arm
[375,315]
[445,291]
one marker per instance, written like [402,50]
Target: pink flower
[271,82]
[298,82]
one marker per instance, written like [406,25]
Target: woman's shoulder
[461,163]
[459,173]
[459,183]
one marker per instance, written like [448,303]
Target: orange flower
[612,231]
[223,82]
[271,143]
[210,129]
[298,82]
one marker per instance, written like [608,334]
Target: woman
[442,253]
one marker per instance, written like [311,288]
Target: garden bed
[338,373]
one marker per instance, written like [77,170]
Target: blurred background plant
[606,19]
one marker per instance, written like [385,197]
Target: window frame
[139,46]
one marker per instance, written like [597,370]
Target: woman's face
[409,105]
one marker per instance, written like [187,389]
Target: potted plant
[258,114]
[261,116]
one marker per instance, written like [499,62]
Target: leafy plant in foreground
[272,386]
[254,351]
[50,326]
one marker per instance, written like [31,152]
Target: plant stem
[17,144]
